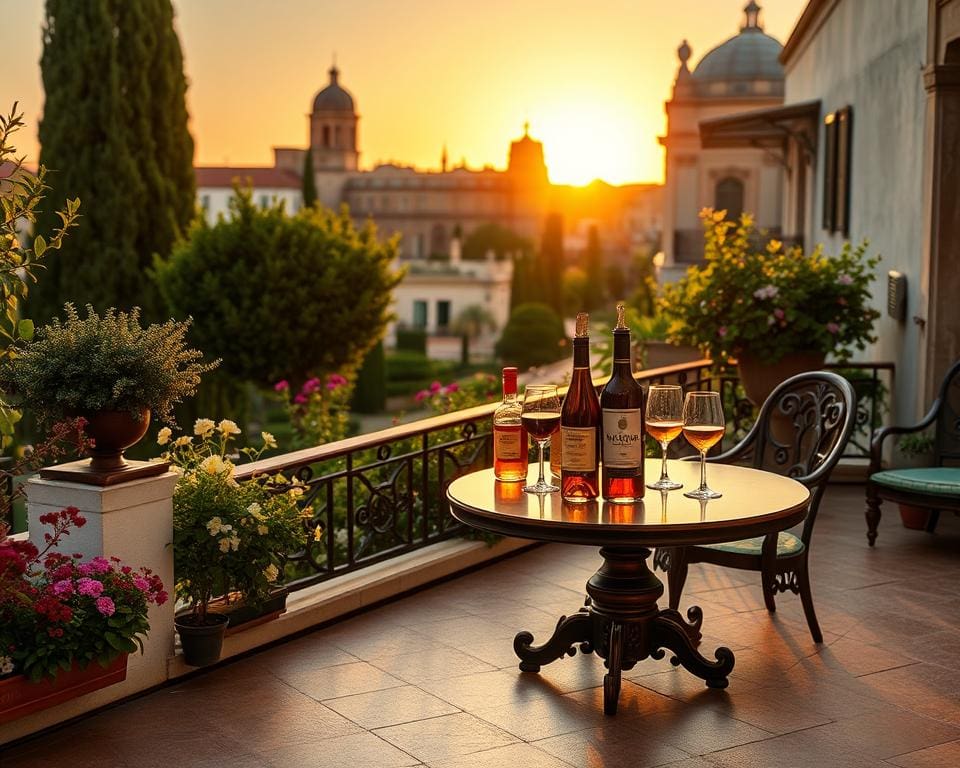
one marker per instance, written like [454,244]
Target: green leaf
[39,245]
[25,329]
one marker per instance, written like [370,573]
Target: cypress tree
[593,297]
[309,182]
[550,266]
[114,132]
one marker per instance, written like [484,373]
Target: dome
[751,55]
[333,98]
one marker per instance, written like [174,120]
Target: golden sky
[591,77]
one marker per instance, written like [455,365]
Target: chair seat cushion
[787,544]
[932,481]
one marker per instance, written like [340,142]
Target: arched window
[728,196]
[326,135]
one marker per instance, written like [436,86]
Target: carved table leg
[570,630]
[623,625]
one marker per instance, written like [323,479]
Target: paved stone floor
[431,680]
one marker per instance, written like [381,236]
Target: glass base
[665,484]
[543,487]
[703,493]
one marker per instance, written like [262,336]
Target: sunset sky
[591,77]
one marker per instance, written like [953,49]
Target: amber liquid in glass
[703,438]
[621,404]
[664,431]
[580,428]
[509,436]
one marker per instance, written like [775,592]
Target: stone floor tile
[770,709]
[544,717]
[886,734]
[330,682]
[359,750]
[392,706]
[512,756]
[443,738]
[941,756]
[433,662]
[610,745]
[495,688]
[700,728]
[801,749]
[635,703]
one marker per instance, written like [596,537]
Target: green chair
[801,432]
[936,487]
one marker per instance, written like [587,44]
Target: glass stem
[663,465]
[541,481]
[703,470]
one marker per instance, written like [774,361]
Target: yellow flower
[317,533]
[214,525]
[203,427]
[215,465]
[163,436]
[228,427]
[269,441]
[182,441]
[224,545]
[262,530]
[271,572]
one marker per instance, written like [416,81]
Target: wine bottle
[509,436]
[580,425]
[621,404]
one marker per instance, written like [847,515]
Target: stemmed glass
[703,426]
[664,418]
[541,418]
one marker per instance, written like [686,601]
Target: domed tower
[741,74]
[333,128]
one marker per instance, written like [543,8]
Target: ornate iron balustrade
[379,495]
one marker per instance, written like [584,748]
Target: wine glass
[703,426]
[541,418]
[664,418]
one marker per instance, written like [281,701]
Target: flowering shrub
[476,390]
[770,303]
[320,411]
[228,536]
[56,610]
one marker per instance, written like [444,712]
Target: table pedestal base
[622,624]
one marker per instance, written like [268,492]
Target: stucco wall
[869,54]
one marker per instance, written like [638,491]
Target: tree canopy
[114,133]
[533,336]
[279,296]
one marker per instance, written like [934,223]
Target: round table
[621,621]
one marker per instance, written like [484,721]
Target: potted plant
[59,615]
[110,370]
[914,450]
[229,537]
[770,306]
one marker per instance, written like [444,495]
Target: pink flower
[300,399]
[63,588]
[435,387]
[779,313]
[141,583]
[281,386]
[89,587]
[335,380]
[845,279]
[310,386]
[722,331]
[85,569]
[100,565]
[833,328]
[421,396]
[105,606]
[452,387]
[161,597]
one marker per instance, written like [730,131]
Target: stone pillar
[134,522]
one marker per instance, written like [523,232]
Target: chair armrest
[876,447]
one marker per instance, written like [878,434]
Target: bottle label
[622,438]
[506,443]
[579,448]
[556,452]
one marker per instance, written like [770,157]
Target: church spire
[752,13]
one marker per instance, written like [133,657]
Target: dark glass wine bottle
[580,424]
[621,404]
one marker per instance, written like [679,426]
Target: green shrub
[409,366]
[412,340]
[533,336]
[370,393]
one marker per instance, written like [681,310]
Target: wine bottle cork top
[583,325]
[621,322]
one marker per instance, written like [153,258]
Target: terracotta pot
[914,518]
[201,643]
[112,433]
[19,696]
[759,378]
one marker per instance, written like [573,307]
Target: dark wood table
[620,620]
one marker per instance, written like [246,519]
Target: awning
[764,128]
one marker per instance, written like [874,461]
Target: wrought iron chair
[801,432]
[936,487]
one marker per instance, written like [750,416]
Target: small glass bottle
[509,437]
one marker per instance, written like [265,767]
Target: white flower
[214,525]
[845,279]
[254,509]
[182,441]
[6,663]
[271,572]
[767,292]
[224,545]
[269,441]
[234,542]
[262,530]
[203,427]
[163,436]
[228,427]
